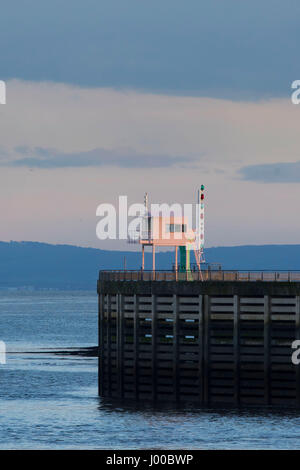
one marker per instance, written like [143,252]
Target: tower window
[172,228]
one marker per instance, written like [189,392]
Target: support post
[120,342]
[100,343]
[176,262]
[200,348]
[267,348]
[154,345]
[236,348]
[136,346]
[108,343]
[153,261]
[206,350]
[176,337]
[143,257]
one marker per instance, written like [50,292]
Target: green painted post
[182,251]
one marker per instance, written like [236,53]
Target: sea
[49,400]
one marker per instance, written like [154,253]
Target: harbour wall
[208,342]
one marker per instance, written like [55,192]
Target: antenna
[146,203]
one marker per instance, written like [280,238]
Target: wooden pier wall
[204,342]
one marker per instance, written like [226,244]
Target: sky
[108,98]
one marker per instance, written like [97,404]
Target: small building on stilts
[166,231]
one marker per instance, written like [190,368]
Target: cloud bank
[231,48]
[51,158]
[272,173]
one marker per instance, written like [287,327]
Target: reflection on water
[50,401]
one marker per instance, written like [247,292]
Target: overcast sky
[111,97]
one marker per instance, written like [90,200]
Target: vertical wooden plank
[200,349]
[176,338]
[154,346]
[118,371]
[108,342]
[297,336]
[100,343]
[236,347]
[136,346]
[267,349]
[120,344]
[206,350]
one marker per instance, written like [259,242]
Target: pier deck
[217,341]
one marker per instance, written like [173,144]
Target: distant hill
[41,265]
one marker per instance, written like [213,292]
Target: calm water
[50,401]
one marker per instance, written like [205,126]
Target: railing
[136,237]
[206,275]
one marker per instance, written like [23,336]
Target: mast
[201,220]
[145,224]
[199,243]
